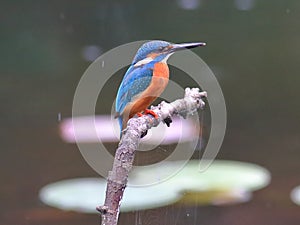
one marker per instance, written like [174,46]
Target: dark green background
[254,54]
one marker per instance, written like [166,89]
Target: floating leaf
[223,182]
[84,194]
[221,175]
[295,195]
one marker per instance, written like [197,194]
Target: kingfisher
[146,79]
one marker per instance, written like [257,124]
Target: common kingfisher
[146,79]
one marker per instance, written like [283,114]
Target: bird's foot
[148,111]
[168,121]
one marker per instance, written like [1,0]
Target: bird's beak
[177,47]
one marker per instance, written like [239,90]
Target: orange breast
[157,86]
[161,70]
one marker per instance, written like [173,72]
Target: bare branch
[136,127]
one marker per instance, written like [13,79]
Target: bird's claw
[152,113]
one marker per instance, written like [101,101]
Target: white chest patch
[143,61]
[150,59]
[167,57]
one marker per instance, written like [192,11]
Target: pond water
[252,47]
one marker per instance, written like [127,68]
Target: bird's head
[160,51]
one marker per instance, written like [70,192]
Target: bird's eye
[161,48]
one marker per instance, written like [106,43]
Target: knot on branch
[194,96]
[102,209]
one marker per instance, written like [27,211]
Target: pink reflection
[107,130]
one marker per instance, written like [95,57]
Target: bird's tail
[120,119]
[122,122]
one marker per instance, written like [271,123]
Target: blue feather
[147,48]
[135,81]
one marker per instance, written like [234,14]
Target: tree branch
[117,178]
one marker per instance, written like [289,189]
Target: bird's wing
[135,81]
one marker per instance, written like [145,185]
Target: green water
[254,53]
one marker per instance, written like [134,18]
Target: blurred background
[252,47]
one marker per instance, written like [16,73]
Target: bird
[145,79]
